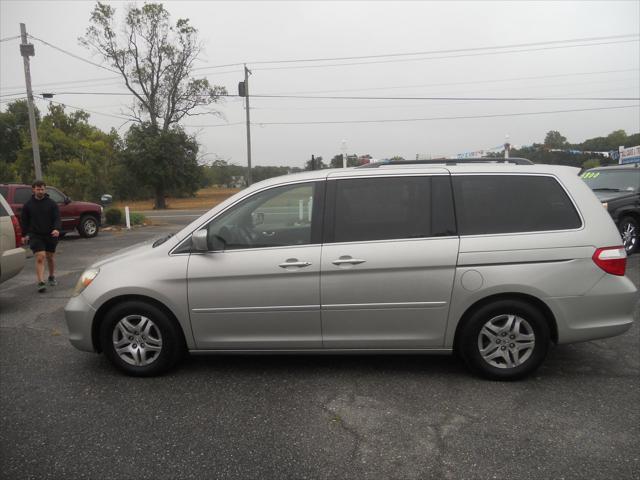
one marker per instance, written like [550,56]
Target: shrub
[136,218]
[113,216]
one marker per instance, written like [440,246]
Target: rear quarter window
[491,204]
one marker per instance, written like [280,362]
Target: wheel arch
[530,299]
[105,307]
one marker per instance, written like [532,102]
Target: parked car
[12,255]
[618,188]
[491,260]
[86,217]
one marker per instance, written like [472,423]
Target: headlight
[85,280]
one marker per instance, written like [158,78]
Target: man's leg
[40,258]
[51,265]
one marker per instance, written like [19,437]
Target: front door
[67,219]
[388,262]
[258,286]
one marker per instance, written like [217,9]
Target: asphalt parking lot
[68,414]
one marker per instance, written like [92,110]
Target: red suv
[83,216]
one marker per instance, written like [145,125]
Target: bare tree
[155,59]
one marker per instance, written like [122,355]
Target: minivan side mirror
[67,200]
[199,241]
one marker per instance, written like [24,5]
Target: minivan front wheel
[504,340]
[140,339]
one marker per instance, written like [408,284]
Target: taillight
[612,260]
[17,230]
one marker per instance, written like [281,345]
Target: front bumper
[79,316]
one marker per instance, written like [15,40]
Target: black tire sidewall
[633,221]
[81,227]
[468,345]
[172,343]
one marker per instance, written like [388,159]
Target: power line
[473,82]
[428,52]
[492,99]
[476,54]
[454,99]
[83,109]
[63,82]
[74,55]
[399,120]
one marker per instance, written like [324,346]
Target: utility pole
[27,50]
[246,91]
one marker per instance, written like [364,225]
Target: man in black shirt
[41,225]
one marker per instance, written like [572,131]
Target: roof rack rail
[449,161]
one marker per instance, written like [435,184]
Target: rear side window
[22,195]
[3,211]
[4,191]
[391,208]
[487,204]
[55,195]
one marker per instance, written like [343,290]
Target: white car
[12,255]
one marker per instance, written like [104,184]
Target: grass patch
[205,198]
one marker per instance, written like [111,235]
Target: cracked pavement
[68,414]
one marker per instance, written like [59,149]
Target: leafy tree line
[554,140]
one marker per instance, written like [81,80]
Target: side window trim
[317,218]
[330,209]
[523,232]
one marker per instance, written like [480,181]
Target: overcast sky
[251,32]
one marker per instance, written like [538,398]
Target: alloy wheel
[506,341]
[137,340]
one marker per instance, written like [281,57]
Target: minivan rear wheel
[140,339]
[504,340]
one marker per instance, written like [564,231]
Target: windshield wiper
[160,241]
[606,190]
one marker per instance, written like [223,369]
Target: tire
[149,342]
[629,231]
[518,331]
[88,226]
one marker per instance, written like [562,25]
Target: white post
[300,210]
[127,217]
[310,204]
[344,154]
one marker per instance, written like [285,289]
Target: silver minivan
[493,261]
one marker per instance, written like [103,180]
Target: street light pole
[27,50]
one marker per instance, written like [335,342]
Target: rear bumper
[11,263]
[605,311]
[79,316]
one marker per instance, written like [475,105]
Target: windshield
[613,180]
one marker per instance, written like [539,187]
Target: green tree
[155,59]
[14,135]
[166,160]
[336,161]
[315,164]
[555,140]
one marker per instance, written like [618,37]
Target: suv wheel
[629,232]
[504,340]
[140,339]
[88,226]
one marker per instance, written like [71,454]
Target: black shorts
[39,243]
